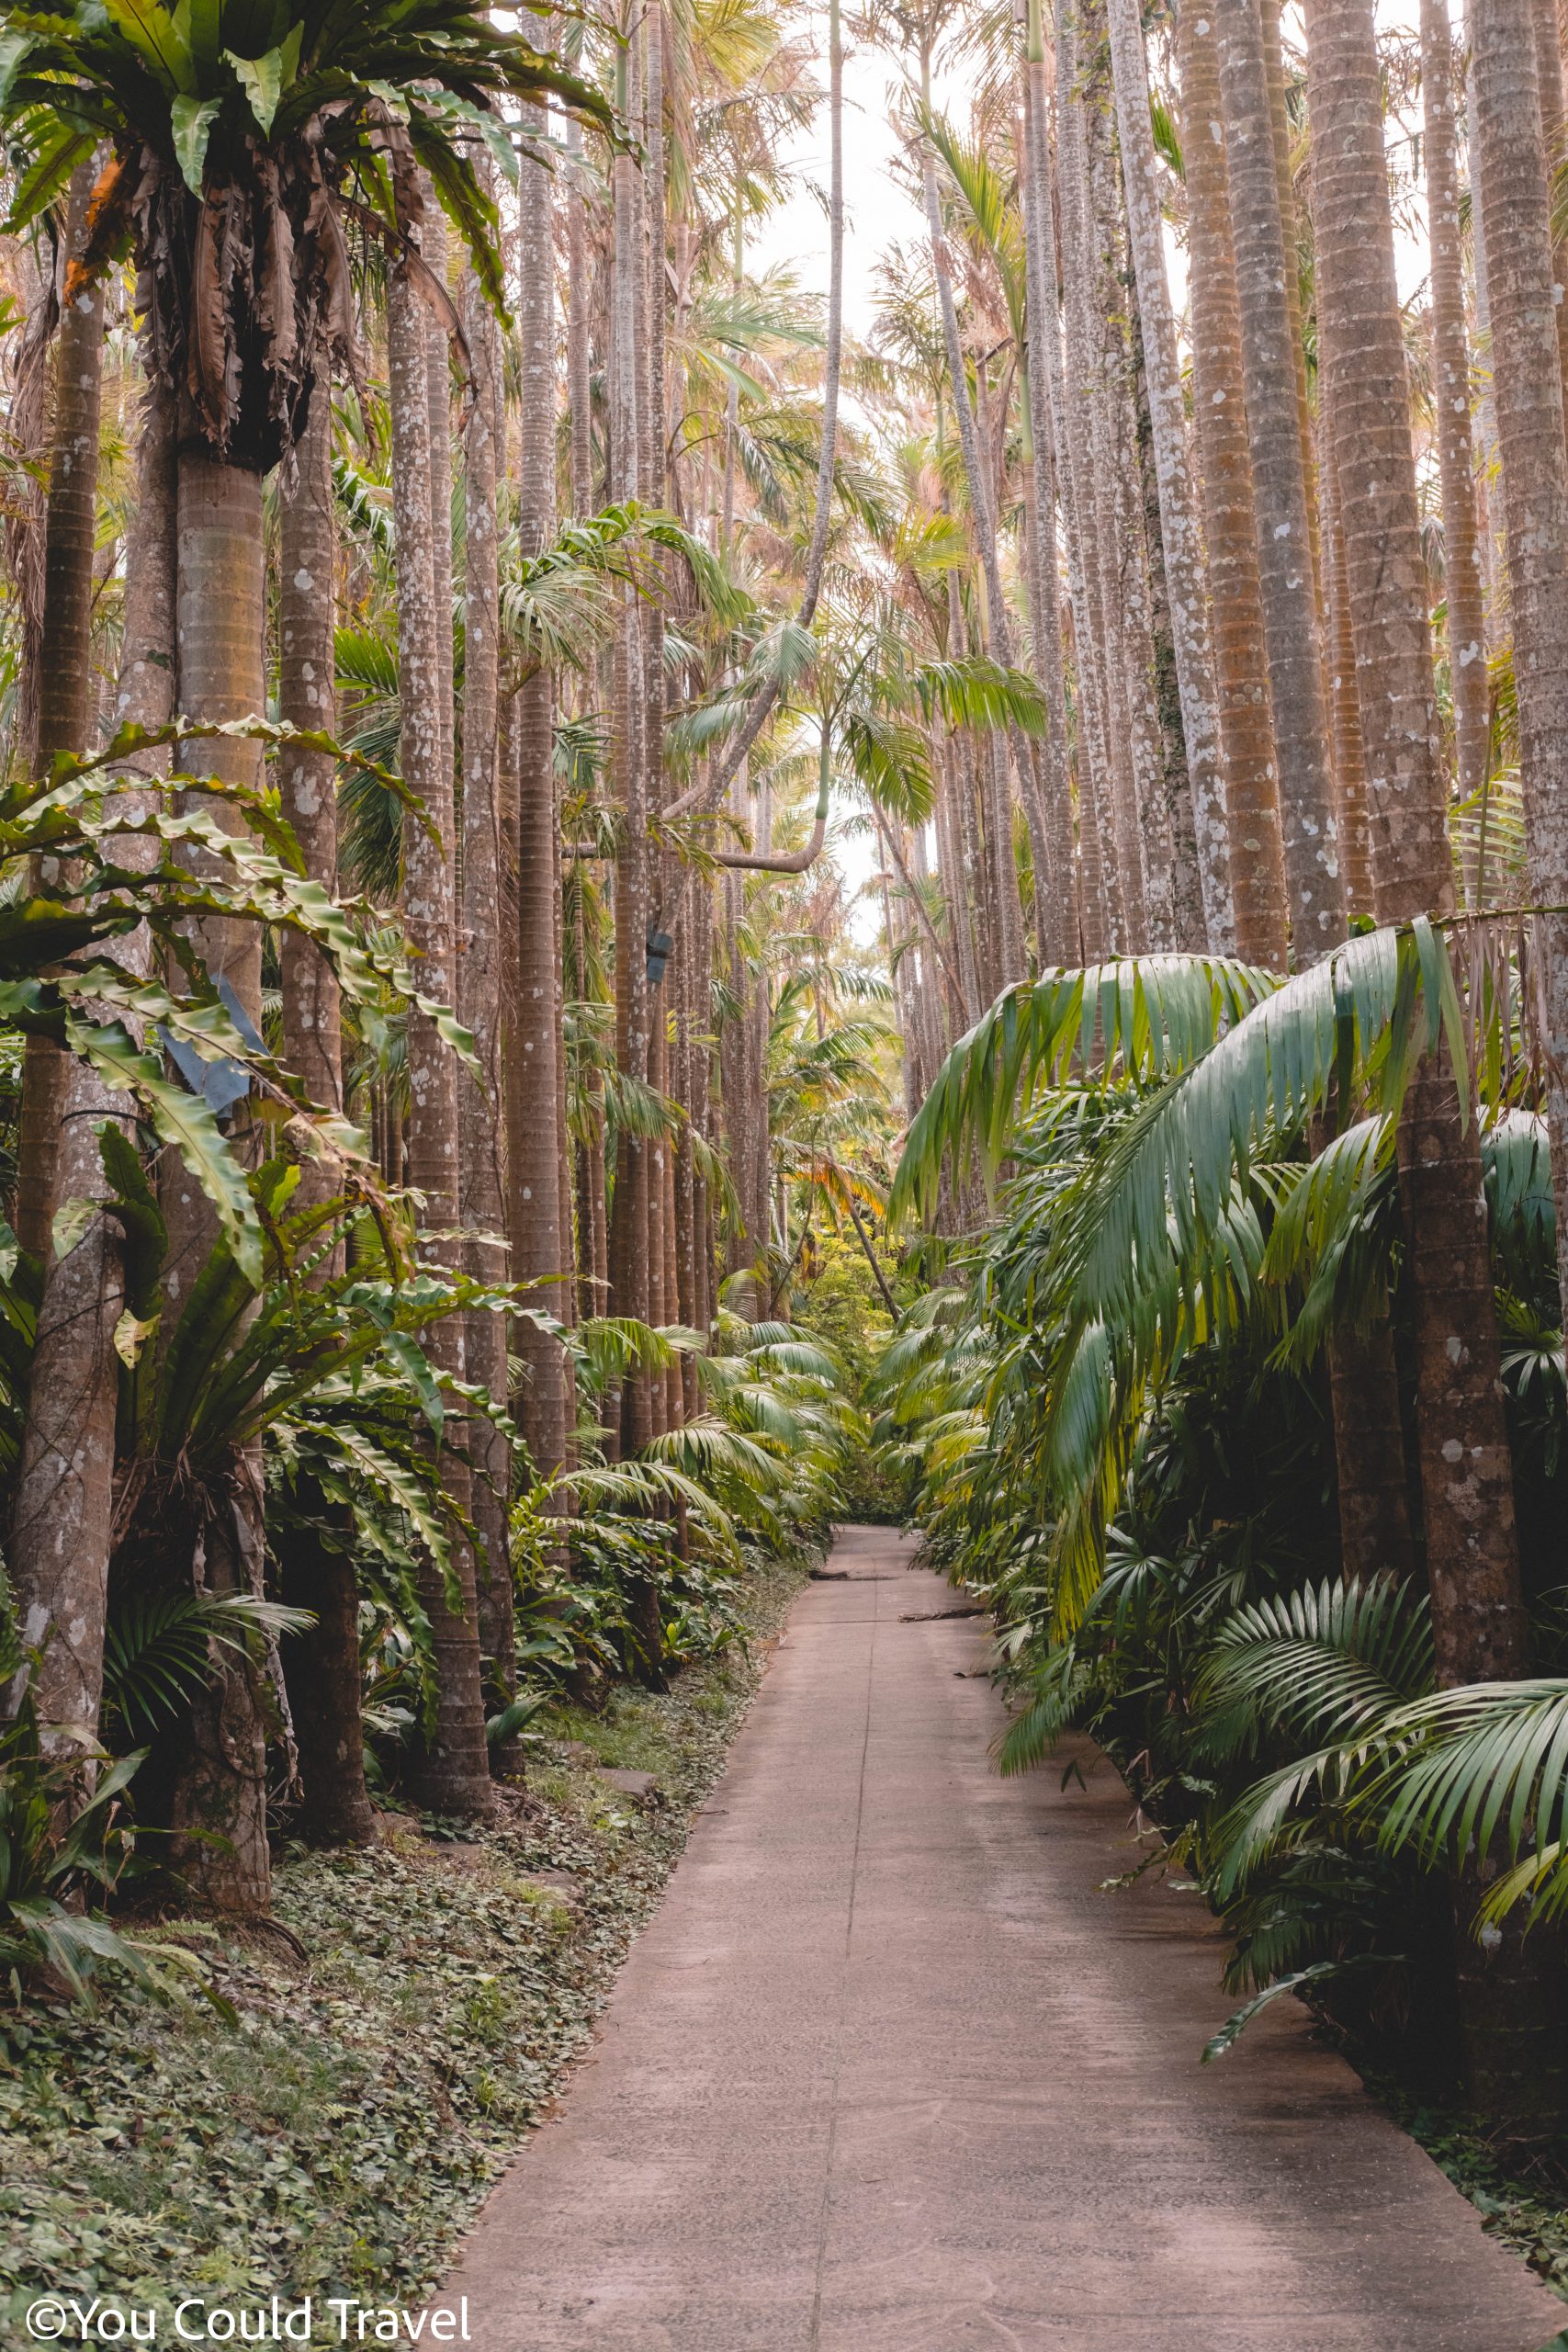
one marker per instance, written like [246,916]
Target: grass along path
[337,2141]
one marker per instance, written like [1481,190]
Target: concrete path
[888,2073]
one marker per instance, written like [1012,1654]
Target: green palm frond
[156,1647]
[1149,1018]
[1326,1663]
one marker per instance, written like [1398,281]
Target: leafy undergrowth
[1527,2211]
[339,2139]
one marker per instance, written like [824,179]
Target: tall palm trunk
[1189,924]
[480,993]
[1059,932]
[578,377]
[65,669]
[1478,1616]
[1528,391]
[454,1771]
[1490,480]
[219,1801]
[664,1390]
[997,636]
[533,1053]
[62,1519]
[1290,231]
[321,1664]
[1314,890]
[1091,462]
[1181,536]
[1349,760]
[1463,586]
[1548,93]
[1150,851]
[1230,520]
[629,1216]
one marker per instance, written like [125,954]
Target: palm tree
[322,1667]
[1224,464]
[65,663]
[1472,1565]
[1528,398]
[1087,315]
[231,188]
[62,1517]
[480,988]
[455,1770]
[1463,587]
[1182,544]
[1314,889]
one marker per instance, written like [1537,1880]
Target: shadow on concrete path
[888,2073]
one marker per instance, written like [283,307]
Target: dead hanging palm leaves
[232,176]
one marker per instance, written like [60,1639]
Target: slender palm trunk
[219,1802]
[1189,924]
[578,377]
[64,671]
[1315,896]
[1290,231]
[664,1389]
[1059,932]
[1528,391]
[1181,536]
[1549,92]
[1349,760]
[1463,586]
[61,1530]
[481,995]
[1230,521]
[535,1052]
[1100,635]
[628,1219]
[1478,1616]
[322,1666]
[455,1770]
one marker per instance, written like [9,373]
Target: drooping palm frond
[1149,1018]
[1485,1766]
[156,1647]
[1325,1663]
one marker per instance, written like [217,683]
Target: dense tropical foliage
[636,914]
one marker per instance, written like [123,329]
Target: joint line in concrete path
[843,2017]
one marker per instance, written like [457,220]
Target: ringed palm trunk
[629,1212]
[322,1666]
[1290,231]
[1229,511]
[1527,392]
[61,1532]
[64,671]
[1181,536]
[1314,890]
[1349,760]
[454,1771]
[664,1389]
[579,380]
[1059,934]
[481,995]
[998,635]
[1478,1616]
[1100,637]
[1128,619]
[218,1814]
[1549,89]
[538,1256]
[1463,586]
